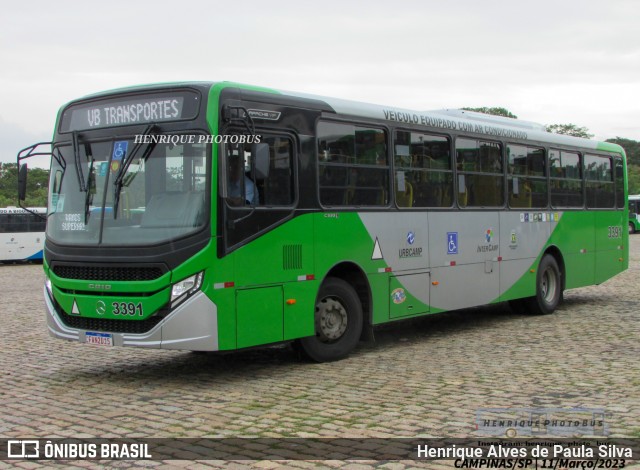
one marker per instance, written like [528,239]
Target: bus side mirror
[260,154]
[22,182]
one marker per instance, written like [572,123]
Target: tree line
[37,185]
[631,147]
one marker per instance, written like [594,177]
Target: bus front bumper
[192,326]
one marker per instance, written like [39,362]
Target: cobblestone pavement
[423,378]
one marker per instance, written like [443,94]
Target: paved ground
[422,378]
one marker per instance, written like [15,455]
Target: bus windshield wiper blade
[119,180]
[88,199]
[76,156]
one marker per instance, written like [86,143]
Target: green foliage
[569,129]
[493,111]
[37,186]
[634,178]
[631,148]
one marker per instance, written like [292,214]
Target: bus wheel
[548,287]
[338,322]
[632,228]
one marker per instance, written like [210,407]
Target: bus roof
[445,119]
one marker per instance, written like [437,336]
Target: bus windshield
[161,195]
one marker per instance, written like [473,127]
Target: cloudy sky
[545,61]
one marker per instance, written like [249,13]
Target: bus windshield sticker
[119,151]
[72,223]
[102,171]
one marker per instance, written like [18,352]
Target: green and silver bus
[220,216]
[634,213]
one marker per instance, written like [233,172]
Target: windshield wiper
[76,156]
[128,159]
[88,199]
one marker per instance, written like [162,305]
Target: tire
[632,228]
[548,288]
[338,322]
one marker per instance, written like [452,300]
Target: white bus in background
[22,233]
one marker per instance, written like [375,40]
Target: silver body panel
[192,326]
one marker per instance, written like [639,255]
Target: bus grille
[108,273]
[109,325]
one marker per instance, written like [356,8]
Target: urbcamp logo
[412,251]
[489,235]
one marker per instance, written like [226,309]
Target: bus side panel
[575,238]
[523,237]
[299,309]
[342,237]
[21,246]
[280,259]
[610,231]
[260,316]
[402,302]
[464,250]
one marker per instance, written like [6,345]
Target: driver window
[246,189]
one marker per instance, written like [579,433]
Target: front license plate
[100,339]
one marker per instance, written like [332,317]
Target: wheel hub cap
[332,319]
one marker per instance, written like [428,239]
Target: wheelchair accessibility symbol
[452,243]
[119,151]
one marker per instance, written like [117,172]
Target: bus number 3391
[127,308]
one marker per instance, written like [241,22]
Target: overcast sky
[545,61]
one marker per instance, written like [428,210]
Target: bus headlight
[185,288]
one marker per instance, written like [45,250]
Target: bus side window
[480,173]
[424,176]
[353,167]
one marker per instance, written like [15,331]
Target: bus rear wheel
[548,287]
[632,228]
[338,322]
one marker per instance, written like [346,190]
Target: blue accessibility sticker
[452,243]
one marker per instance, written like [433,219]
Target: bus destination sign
[130,110]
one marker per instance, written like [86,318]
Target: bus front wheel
[338,322]
[548,287]
[632,228]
